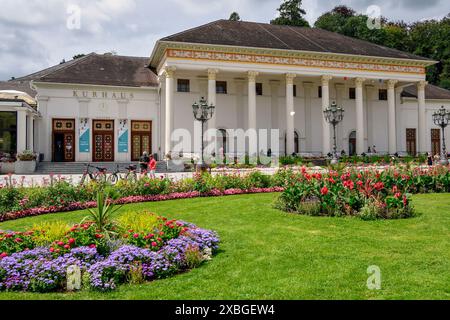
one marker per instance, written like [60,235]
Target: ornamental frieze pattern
[291,61]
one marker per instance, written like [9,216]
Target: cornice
[162,47]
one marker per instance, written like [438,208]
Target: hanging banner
[123,137]
[85,137]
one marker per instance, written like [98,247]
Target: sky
[35,34]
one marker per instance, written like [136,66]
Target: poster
[123,137]
[84,141]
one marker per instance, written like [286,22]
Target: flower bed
[368,193]
[39,261]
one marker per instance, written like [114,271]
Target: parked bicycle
[91,175]
[130,176]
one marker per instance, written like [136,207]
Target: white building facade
[106,108]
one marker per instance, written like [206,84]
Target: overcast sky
[34,34]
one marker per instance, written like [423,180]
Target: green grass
[267,254]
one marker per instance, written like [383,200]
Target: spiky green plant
[102,216]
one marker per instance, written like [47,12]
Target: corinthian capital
[169,72]
[391,84]
[326,80]
[422,85]
[290,78]
[252,76]
[212,74]
[359,82]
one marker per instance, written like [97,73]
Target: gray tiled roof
[261,35]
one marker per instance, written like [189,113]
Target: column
[339,87]
[360,145]
[290,115]
[240,105]
[170,87]
[21,130]
[326,136]
[392,122]
[212,75]
[253,140]
[422,117]
[30,133]
[44,124]
[307,86]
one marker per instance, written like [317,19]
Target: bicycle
[89,175]
[131,175]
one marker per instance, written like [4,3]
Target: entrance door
[352,144]
[141,139]
[435,141]
[63,140]
[411,142]
[103,135]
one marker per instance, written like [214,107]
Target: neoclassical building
[107,108]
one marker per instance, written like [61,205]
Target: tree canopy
[429,39]
[235,17]
[291,13]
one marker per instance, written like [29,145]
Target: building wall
[80,102]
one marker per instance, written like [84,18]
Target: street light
[203,113]
[441,118]
[334,115]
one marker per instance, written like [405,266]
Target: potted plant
[26,162]
[7,163]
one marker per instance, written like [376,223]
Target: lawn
[267,254]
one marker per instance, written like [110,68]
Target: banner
[85,137]
[123,137]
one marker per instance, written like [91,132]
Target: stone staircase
[75,168]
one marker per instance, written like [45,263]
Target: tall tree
[291,13]
[336,19]
[235,17]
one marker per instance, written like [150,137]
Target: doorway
[141,139]
[411,142]
[352,144]
[103,136]
[63,140]
[436,141]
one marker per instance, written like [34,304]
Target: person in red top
[152,167]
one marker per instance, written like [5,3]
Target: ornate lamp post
[441,118]
[203,113]
[334,115]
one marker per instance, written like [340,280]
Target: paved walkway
[41,180]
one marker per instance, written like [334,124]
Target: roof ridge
[270,33]
[74,62]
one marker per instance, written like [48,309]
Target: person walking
[152,167]
[430,159]
[144,161]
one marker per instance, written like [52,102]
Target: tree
[77,56]
[336,19]
[291,14]
[235,17]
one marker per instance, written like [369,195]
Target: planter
[7,167]
[25,167]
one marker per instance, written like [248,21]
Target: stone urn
[25,167]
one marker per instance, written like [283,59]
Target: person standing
[430,159]
[152,167]
[144,161]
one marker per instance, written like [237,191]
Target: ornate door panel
[411,142]
[141,139]
[436,141]
[103,141]
[63,140]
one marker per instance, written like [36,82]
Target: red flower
[18,240]
[398,195]
[92,246]
[3,255]
[379,186]
[67,247]
[136,235]
[324,191]
[52,250]
[99,236]
[71,241]
[359,183]
[154,244]
[332,181]
[60,243]
[405,201]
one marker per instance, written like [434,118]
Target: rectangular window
[8,133]
[221,87]
[320,92]
[352,93]
[183,85]
[259,89]
[295,90]
[382,95]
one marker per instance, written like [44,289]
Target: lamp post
[334,115]
[203,113]
[441,118]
